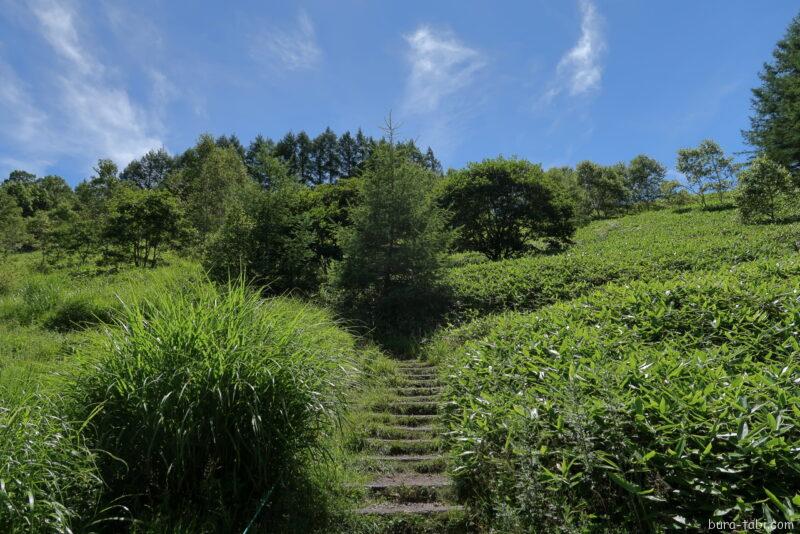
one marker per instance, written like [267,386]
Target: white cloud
[82,112]
[292,49]
[440,66]
[580,70]
[56,20]
[21,120]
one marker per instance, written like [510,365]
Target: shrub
[48,478]
[502,207]
[212,396]
[765,191]
[648,406]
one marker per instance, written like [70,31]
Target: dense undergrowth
[657,404]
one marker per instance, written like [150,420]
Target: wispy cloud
[440,90]
[441,66]
[90,116]
[292,49]
[580,70]
[58,27]
[21,119]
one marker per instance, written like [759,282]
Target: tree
[232,142]
[393,251]
[765,190]
[325,157]
[775,123]
[349,159]
[267,240]
[209,182]
[643,179]
[604,186]
[12,225]
[20,185]
[502,206]
[259,149]
[706,169]
[141,223]
[149,171]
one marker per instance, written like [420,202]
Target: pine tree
[325,157]
[393,250]
[775,124]
[349,160]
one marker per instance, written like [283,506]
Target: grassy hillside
[650,245]
[668,396]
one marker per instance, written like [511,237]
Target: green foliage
[149,171]
[209,397]
[12,226]
[36,194]
[643,179]
[210,180]
[775,124]
[706,169]
[502,207]
[604,187]
[49,481]
[765,191]
[648,406]
[268,241]
[394,248]
[141,223]
[650,245]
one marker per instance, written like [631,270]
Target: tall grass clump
[210,397]
[49,481]
[651,406]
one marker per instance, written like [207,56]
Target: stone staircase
[404,455]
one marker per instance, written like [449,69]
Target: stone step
[418,508]
[411,487]
[415,364]
[405,458]
[409,480]
[411,408]
[404,419]
[403,431]
[411,391]
[403,446]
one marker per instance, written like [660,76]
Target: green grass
[49,480]
[651,245]
[650,405]
[46,316]
[212,397]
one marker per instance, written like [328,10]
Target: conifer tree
[394,248]
[775,124]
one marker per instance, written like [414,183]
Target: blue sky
[552,81]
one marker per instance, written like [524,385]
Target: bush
[211,397]
[503,207]
[649,406]
[765,191]
[48,478]
[80,311]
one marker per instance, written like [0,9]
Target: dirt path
[409,485]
